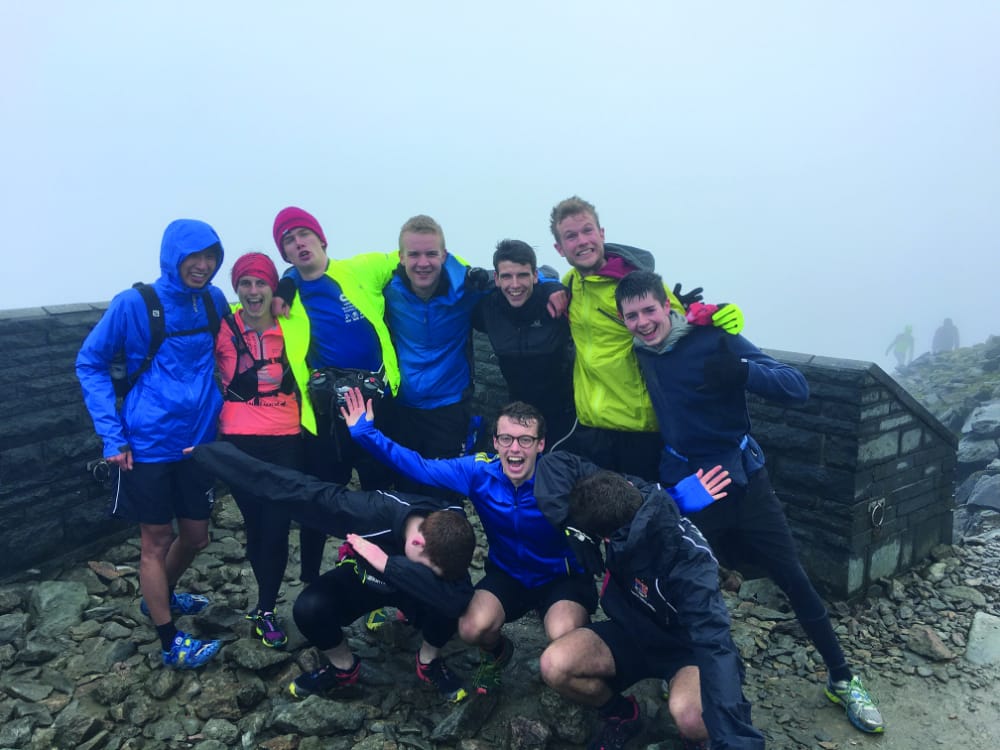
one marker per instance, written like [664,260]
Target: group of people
[625,453]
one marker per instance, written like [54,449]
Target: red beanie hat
[257,265]
[291,218]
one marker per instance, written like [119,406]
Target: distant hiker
[168,343]
[945,338]
[902,347]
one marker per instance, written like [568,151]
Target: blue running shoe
[190,653]
[181,604]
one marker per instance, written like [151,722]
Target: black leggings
[267,524]
[749,524]
[339,597]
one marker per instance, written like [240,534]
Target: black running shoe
[325,679]
[617,730]
[447,682]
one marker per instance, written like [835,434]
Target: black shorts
[635,660]
[517,599]
[626,452]
[158,493]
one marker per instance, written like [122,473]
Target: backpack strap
[214,323]
[157,328]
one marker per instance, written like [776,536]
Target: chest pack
[120,378]
[245,384]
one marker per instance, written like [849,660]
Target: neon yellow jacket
[361,278]
[608,386]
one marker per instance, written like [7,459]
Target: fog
[832,167]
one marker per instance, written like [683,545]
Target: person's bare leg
[480,624]
[564,616]
[578,666]
[155,542]
[192,537]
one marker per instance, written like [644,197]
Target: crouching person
[407,551]
[666,615]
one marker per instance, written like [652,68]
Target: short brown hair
[449,542]
[603,502]
[522,413]
[421,224]
[571,207]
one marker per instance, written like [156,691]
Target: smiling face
[255,297]
[581,242]
[516,281]
[304,249]
[197,269]
[647,319]
[518,462]
[422,256]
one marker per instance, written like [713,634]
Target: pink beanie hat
[291,218]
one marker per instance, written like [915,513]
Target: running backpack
[244,386]
[122,381]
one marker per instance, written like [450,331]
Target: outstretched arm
[322,505]
[449,473]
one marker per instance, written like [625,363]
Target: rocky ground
[80,667]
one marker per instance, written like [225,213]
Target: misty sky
[834,167]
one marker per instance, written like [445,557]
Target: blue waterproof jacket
[175,403]
[522,542]
[433,338]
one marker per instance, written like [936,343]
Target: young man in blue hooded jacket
[173,403]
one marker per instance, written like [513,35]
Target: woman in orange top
[260,416]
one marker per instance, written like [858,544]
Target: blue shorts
[158,493]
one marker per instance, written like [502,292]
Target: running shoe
[858,703]
[487,679]
[325,679]
[617,730]
[190,653]
[437,674]
[267,627]
[181,604]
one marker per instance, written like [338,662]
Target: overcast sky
[834,167]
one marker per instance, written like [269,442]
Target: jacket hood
[182,238]
[642,260]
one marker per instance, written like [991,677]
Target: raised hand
[356,408]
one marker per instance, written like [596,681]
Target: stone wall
[48,501]
[866,473]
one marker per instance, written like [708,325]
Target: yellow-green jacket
[608,386]
[361,279]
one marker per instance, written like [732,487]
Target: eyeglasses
[525,441]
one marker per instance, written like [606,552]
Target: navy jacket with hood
[175,404]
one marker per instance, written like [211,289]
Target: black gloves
[688,299]
[479,280]
[724,370]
